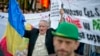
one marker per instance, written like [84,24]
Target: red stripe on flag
[3,45]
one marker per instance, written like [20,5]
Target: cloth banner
[85,14]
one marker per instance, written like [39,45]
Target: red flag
[45,3]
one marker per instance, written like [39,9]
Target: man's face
[43,27]
[64,47]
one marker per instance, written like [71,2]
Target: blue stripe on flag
[16,18]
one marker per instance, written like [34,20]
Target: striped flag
[13,40]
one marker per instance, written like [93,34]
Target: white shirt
[40,48]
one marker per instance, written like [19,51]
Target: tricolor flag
[15,42]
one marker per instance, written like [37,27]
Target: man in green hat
[65,40]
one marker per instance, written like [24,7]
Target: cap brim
[64,36]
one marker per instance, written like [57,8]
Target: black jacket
[33,34]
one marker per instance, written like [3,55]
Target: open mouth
[41,30]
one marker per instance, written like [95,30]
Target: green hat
[67,30]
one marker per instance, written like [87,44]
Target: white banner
[86,15]
[3,23]
[32,19]
[35,18]
[54,13]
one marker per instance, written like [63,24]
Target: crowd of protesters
[83,49]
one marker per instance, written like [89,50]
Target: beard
[63,53]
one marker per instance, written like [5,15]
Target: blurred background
[28,6]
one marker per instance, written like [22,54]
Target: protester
[80,49]
[40,40]
[97,51]
[91,50]
[65,40]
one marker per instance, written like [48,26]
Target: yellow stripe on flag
[14,40]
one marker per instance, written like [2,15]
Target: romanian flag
[14,40]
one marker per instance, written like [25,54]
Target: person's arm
[27,34]
[28,29]
[62,19]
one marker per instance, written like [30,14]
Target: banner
[85,14]
[32,19]
[54,13]
[35,18]
[3,23]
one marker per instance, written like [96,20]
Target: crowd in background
[27,6]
